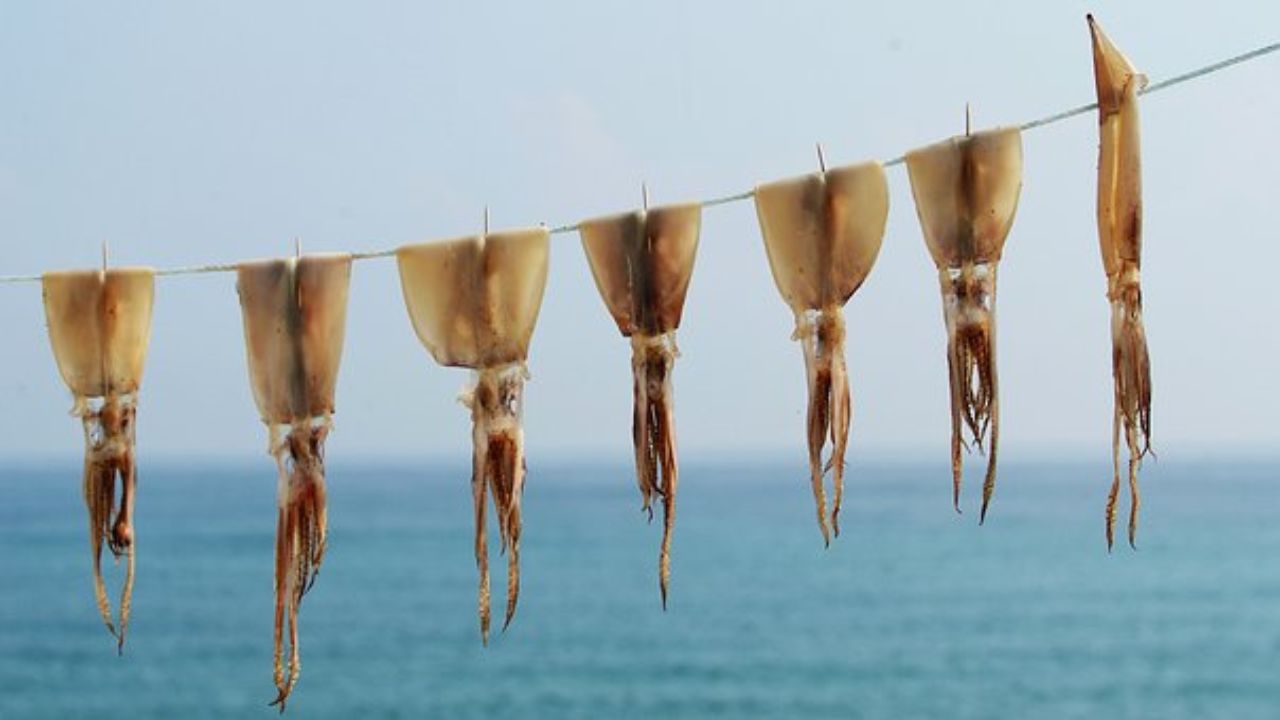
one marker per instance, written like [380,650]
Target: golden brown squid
[474,302]
[295,313]
[642,262]
[1120,233]
[822,233]
[99,326]
[966,192]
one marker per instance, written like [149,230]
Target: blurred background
[214,132]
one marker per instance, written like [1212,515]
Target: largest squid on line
[474,303]
[1120,236]
[99,326]
[966,191]
[642,262]
[295,313]
[822,232]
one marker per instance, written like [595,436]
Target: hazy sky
[185,133]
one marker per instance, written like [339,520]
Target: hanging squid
[822,233]
[966,192]
[642,262]
[295,313]
[1120,233]
[474,302]
[99,326]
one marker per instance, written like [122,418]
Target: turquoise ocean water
[913,612]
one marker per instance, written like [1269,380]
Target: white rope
[747,194]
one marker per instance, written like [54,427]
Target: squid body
[474,303]
[1120,233]
[295,313]
[99,326]
[966,192]
[822,233]
[642,262]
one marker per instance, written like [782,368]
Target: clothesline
[747,194]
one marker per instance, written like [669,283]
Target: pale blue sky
[185,133]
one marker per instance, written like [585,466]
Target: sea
[915,611]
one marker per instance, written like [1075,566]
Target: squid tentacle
[109,452]
[301,531]
[818,417]
[642,428]
[1131,370]
[652,364]
[478,474]
[1113,495]
[670,473]
[841,419]
[99,490]
[120,417]
[958,446]
[821,334]
[969,310]
[989,481]
[498,468]
[506,477]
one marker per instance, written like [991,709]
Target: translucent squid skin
[822,233]
[474,303]
[1120,240]
[99,327]
[294,323]
[966,191]
[642,263]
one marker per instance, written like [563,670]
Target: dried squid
[966,192]
[99,326]
[822,233]
[295,313]
[642,262]
[474,302]
[1120,233]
